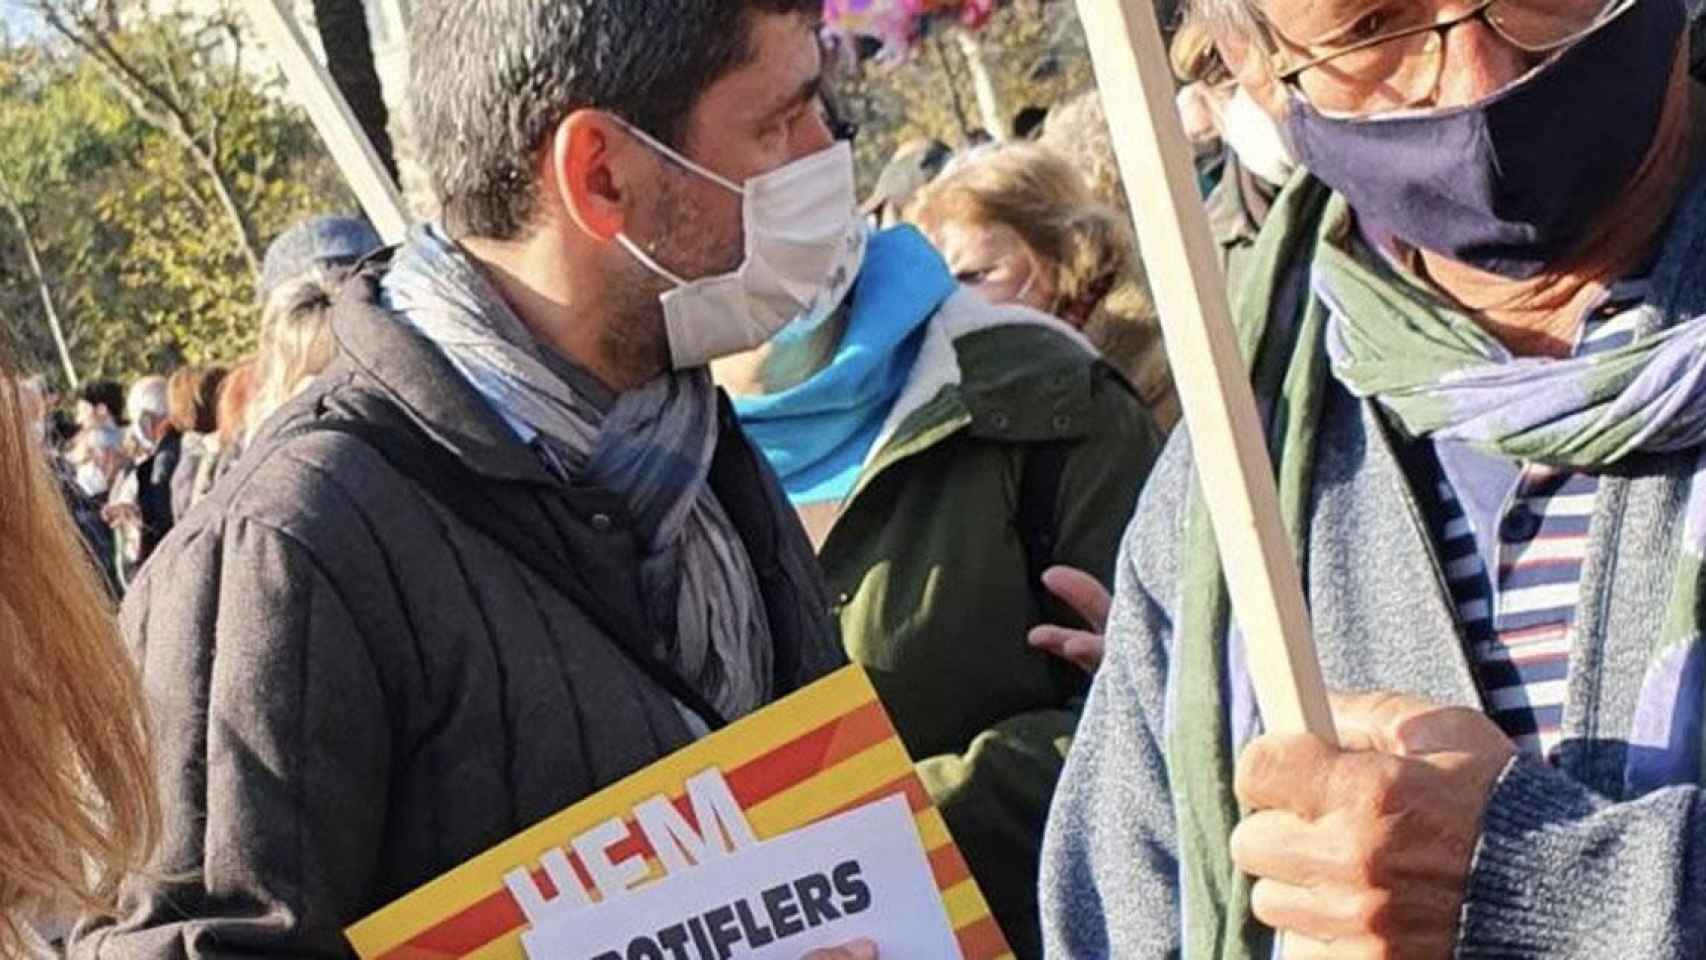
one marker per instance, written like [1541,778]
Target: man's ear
[1253,70]
[583,158]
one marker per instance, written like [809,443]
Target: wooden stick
[1183,265]
[319,95]
[395,16]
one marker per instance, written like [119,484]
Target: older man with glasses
[1479,330]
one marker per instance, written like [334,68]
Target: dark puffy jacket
[356,691]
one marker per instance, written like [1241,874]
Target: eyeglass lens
[1387,56]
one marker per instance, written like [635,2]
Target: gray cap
[322,241]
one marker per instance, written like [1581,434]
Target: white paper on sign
[862,874]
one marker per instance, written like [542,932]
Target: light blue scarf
[817,434]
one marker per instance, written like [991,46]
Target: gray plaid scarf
[652,446]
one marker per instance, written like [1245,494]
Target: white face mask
[1255,138]
[804,248]
[92,480]
[140,428]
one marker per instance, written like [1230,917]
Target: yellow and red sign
[825,750]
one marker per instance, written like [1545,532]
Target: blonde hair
[296,341]
[1194,57]
[1041,196]
[78,807]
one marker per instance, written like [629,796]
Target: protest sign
[772,837]
[774,901]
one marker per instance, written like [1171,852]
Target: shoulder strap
[1039,499]
[451,483]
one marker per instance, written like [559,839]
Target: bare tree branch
[164,107]
[44,287]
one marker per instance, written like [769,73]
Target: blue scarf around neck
[818,433]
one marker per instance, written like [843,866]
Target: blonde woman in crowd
[1125,327]
[296,340]
[1018,223]
[77,800]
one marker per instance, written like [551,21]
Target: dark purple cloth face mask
[1508,184]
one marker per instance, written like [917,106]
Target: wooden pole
[396,17]
[314,89]
[1227,439]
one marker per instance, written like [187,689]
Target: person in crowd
[1202,77]
[78,794]
[96,454]
[60,425]
[1017,224]
[193,399]
[140,508]
[1125,328]
[333,244]
[511,546]
[85,510]
[1254,161]
[236,397]
[296,341]
[1477,345]
[915,164]
[918,389]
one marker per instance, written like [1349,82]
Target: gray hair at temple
[492,79]
[1227,17]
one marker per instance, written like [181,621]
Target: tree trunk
[983,84]
[49,308]
[953,85]
[349,59]
[247,244]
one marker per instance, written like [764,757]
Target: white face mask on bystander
[804,248]
[1256,138]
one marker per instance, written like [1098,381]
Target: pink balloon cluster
[899,23]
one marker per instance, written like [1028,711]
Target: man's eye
[1372,24]
[972,278]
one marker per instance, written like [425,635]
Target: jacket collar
[972,374]
[423,384]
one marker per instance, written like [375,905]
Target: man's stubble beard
[637,343]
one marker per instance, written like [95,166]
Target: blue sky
[18,21]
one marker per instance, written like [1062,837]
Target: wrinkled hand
[1365,851]
[857,950]
[1085,595]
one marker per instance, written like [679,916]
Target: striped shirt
[1512,540]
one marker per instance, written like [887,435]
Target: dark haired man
[512,546]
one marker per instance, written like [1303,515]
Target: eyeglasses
[1392,55]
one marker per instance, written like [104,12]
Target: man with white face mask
[512,546]
[1477,332]
[1253,160]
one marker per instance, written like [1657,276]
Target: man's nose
[1478,63]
